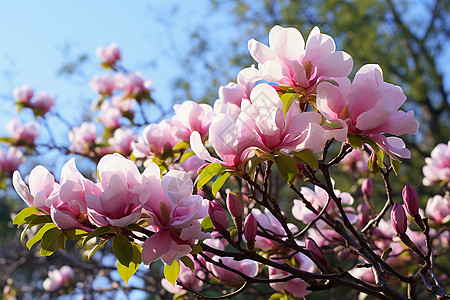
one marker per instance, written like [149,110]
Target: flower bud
[366,187]
[218,216]
[398,218]
[411,200]
[312,247]
[234,205]
[363,214]
[250,228]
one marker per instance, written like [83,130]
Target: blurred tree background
[409,39]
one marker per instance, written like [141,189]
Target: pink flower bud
[366,187]
[234,205]
[411,200]
[312,247]
[218,216]
[398,218]
[250,228]
[110,54]
[44,102]
[23,94]
[363,214]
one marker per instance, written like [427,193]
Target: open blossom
[437,168]
[83,138]
[110,54]
[174,214]
[369,106]
[103,84]
[245,266]
[10,160]
[121,141]
[114,201]
[296,286]
[289,61]
[156,139]
[110,115]
[57,278]
[43,103]
[438,208]
[132,84]
[191,116]
[356,161]
[294,131]
[23,94]
[23,133]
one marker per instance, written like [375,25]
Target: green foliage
[172,271]
[287,167]
[207,173]
[123,249]
[125,271]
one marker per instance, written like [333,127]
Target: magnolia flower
[10,160]
[245,266]
[110,115]
[438,208]
[23,94]
[58,278]
[132,84]
[369,106]
[43,103]
[121,141]
[191,116]
[109,55]
[174,214]
[187,277]
[437,168]
[289,61]
[103,84]
[83,137]
[23,133]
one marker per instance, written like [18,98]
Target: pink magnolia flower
[103,85]
[121,141]
[23,133]
[42,190]
[232,142]
[132,84]
[356,162]
[365,274]
[267,221]
[437,168]
[110,115]
[289,61]
[57,278]
[126,106]
[296,287]
[245,266]
[43,103]
[174,213]
[370,107]
[114,201]
[156,139]
[109,55]
[319,198]
[294,131]
[191,116]
[438,208]
[83,137]
[23,94]
[11,160]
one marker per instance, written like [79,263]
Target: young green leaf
[25,213]
[188,263]
[172,271]
[395,165]
[355,141]
[39,234]
[97,232]
[207,224]
[208,172]
[49,242]
[287,167]
[196,249]
[126,272]
[308,157]
[220,181]
[122,249]
[98,246]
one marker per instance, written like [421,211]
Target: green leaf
[380,158]
[355,141]
[122,249]
[98,246]
[126,272]
[207,224]
[181,145]
[186,155]
[97,232]
[287,167]
[39,234]
[196,249]
[49,242]
[188,263]
[395,165]
[33,221]
[208,172]
[172,271]
[385,253]
[276,296]
[7,140]
[308,157]
[62,241]
[256,160]
[25,213]
[288,99]
[220,181]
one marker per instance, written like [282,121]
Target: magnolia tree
[238,197]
